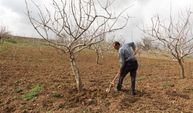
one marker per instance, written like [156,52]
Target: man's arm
[136,51]
[132,44]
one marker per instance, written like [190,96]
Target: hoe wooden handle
[112,83]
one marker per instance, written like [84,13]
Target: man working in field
[128,63]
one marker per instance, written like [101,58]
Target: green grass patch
[17,82]
[57,95]
[11,41]
[85,110]
[141,78]
[167,85]
[32,93]
[18,90]
[3,48]
[49,112]
[189,89]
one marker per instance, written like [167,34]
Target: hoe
[112,83]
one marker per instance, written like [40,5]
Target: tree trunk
[98,56]
[76,72]
[1,41]
[182,71]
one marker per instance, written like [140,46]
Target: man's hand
[136,51]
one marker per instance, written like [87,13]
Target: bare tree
[77,24]
[98,49]
[4,34]
[147,43]
[175,36]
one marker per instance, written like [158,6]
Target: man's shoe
[117,90]
[132,93]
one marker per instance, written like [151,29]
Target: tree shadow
[177,94]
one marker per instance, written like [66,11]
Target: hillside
[36,78]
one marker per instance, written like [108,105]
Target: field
[38,79]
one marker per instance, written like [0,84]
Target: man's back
[126,52]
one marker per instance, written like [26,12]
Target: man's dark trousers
[130,66]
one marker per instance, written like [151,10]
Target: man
[128,63]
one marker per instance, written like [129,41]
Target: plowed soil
[159,87]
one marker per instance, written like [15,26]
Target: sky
[13,15]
